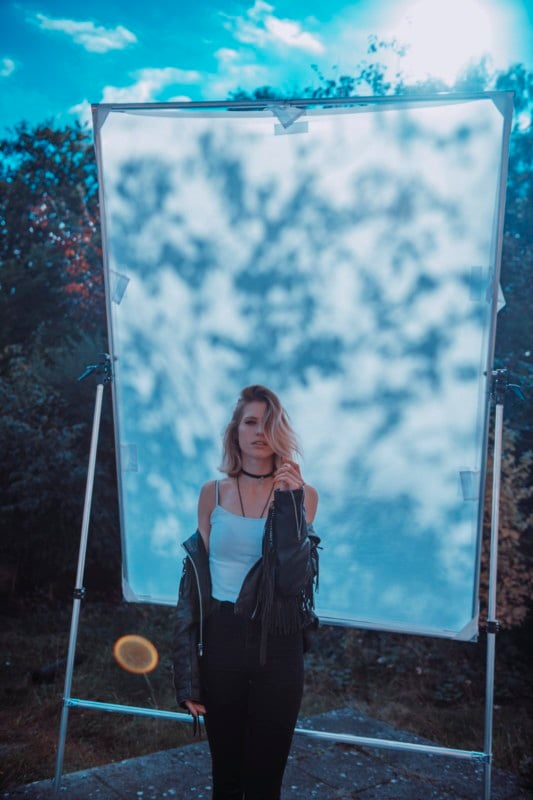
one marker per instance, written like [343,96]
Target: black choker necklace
[257,477]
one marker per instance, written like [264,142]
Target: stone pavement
[316,769]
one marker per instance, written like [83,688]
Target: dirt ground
[432,687]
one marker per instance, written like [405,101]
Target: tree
[515,322]
[51,325]
[44,430]
[516,491]
[50,253]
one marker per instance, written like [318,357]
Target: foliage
[516,519]
[51,277]
[51,314]
[44,431]
[515,321]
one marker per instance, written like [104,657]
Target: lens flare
[135,654]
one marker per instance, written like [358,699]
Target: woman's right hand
[195,708]
[288,476]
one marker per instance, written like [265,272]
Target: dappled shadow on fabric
[349,268]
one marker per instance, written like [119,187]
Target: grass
[432,687]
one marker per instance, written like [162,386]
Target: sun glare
[444,35]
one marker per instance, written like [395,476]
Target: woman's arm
[206,504]
[185,628]
[311,502]
[184,655]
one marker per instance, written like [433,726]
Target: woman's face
[251,431]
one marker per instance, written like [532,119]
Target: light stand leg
[79,590]
[492,624]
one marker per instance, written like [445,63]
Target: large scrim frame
[347,254]
[348,257]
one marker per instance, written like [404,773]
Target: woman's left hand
[288,476]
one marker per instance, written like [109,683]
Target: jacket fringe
[287,615]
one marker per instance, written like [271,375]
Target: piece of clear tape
[118,284]
[469,480]
[480,287]
[128,458]
[501,298]
[287,115]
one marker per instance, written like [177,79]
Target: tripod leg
[78,591]
[491,614]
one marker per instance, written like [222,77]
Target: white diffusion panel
[349,262]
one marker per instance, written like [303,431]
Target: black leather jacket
[290,547]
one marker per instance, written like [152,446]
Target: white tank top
[234,547]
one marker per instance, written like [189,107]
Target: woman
[246,601]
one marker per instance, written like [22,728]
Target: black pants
[251,711]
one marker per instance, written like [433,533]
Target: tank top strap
[216,493]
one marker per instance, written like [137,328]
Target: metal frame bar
[345,738]
[322,102]
[79,590]
[97,122]
[492,624]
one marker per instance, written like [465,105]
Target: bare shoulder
[311,501]
[207,495]
[206,504]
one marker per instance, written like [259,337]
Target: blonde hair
[278,430]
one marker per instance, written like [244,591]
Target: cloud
[259,26]
[148,84]
[226,55]
[290,33]
[94,38]
[258,8]
[7,67]
[180,98]
[235,71]
[82,111]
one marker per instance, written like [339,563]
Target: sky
[57,57]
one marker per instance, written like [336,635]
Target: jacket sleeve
[286,586]
[185,656]
[294,543]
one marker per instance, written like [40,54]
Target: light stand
[103,373]
[500,388]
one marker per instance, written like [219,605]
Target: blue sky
[57,56]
